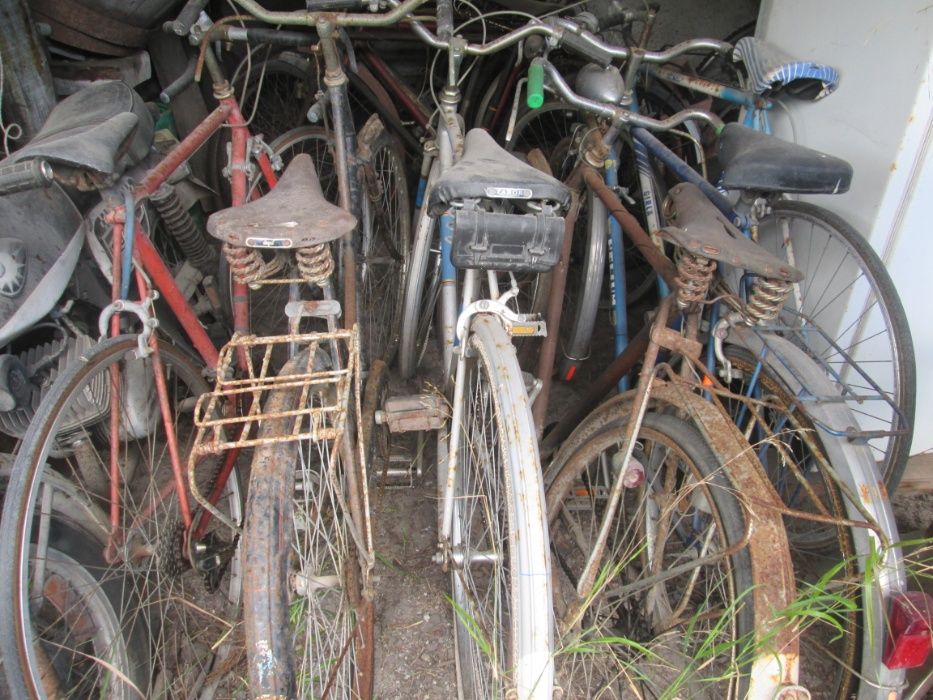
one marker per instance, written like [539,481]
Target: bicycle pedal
[414,412]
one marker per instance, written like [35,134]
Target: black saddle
[700,228]
[752,160]
[293,215]
[104,128]
[488,171]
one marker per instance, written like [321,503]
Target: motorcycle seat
[294,214]
[104,128]
[488,171]
[752,160]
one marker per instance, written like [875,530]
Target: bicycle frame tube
[348,183]
[617,265]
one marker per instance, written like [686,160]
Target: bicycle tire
[420,299]
[294,516]
[596,634]
[386,242]
[502,617]
[578,329]
[147,558]
[857,269]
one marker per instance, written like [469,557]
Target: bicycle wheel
[422,287]
[386,244]
[848,293]
[585,287]
[819,549]
[500,562]
[309,632]
[656,623]
[144,568]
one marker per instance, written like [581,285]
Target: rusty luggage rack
[321,410]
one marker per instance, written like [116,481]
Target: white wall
[881,120]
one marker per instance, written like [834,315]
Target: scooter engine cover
[41,234]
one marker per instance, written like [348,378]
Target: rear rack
[319,414]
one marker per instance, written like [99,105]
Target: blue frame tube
[617,265]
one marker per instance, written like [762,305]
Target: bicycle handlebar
[25,175]
[619,114]
[561,29]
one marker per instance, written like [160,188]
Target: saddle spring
[246,264]
[766,299]
[315,263]
[694,276]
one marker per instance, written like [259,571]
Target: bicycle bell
[600,84]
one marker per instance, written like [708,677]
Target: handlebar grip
[188,16]
[445,20]
[25,175]
[535,85]
[579,45]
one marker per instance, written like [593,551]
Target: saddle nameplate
[268,242]
[508,193]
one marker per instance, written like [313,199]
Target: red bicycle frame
[150,262]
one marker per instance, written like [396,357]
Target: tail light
[910,627]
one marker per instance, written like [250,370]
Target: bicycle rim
[683,634]
[501,589]
[422,287]
[847,292]
[386,247]
[145,568]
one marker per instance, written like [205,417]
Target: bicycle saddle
[293,215]
[752,160]
[771,68]
[700,228]
[488,171]
[104,128]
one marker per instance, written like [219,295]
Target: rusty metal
[246,264]
[712,384]
[555,305]
[315,263]
[322,407]
[168,420]
[636,234]
[639,406]
[694,276]
[672,340]
[766,299]
[767,539]
[183,151]
[604,383]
